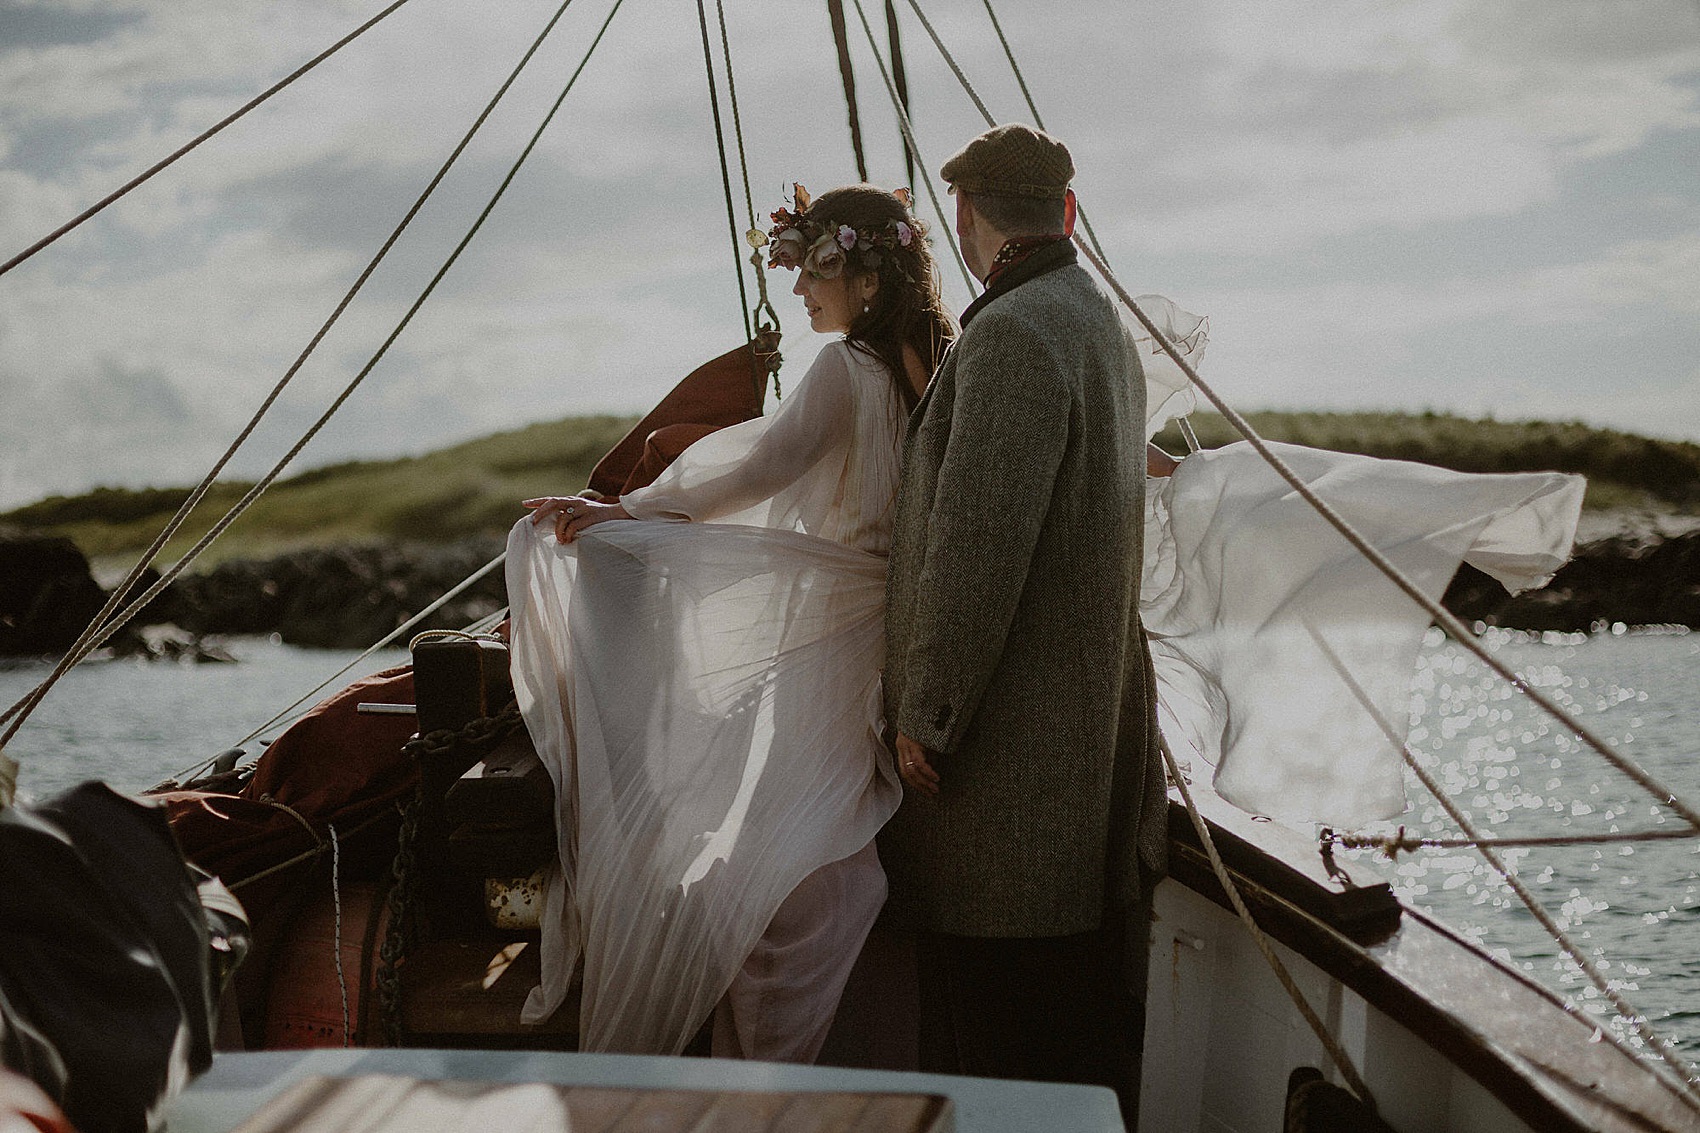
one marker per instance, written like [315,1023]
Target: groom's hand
[914,763]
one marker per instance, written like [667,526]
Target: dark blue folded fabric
[110,966]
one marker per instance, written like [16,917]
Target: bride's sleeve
[739,467]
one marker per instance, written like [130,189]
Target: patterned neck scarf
[1018,249]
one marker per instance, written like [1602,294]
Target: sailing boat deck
[806,1097]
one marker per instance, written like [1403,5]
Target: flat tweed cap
[1012,160]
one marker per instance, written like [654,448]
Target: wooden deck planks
[379,1103]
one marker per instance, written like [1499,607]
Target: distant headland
[339,555]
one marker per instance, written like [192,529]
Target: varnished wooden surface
[238,1085]
[382,1103]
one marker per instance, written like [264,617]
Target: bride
[704,684]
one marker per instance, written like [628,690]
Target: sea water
[1633,907]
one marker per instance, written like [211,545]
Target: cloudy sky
[1486,207]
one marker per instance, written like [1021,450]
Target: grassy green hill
[469,489]
[474,488]
[1623,470]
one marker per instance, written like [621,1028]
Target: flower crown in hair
[824,248]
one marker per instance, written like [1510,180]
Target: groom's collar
[1042,262]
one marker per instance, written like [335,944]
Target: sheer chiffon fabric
[1283,656]
[706,693]
[706,696]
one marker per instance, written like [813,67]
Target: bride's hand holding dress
[703,685]
[572,514]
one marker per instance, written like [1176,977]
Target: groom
[1018,683]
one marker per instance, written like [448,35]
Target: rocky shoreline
[350,596]
[1635,578]
[343,597]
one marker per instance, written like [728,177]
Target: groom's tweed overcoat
[1013,639]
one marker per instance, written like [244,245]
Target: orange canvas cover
[721,392]
[331,767]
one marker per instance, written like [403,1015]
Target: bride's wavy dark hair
[908,309]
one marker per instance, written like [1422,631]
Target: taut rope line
[1441,615]
[85,642]
[757,260]
[1027,95]
[1336,1053]
[1690,1082]
[904,124]
[289,714]
[725,173]
[113,196]
[96,637]
[974,96]
[1444,617]
[82,647]
[1393,845]
[899,74]
[847,76]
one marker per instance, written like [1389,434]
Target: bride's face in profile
[833,303]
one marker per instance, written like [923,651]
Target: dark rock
[47,595]
[344,597]
[1630,578]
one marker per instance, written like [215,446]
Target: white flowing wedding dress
[706,696]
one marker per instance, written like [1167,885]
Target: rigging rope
[841,40]
[1394,844]
[907,127]
[321,846]
[1442,616]
[85,642]
[305,701]
[1690,1082]
[98,637]
[1453,626]
[974,95]
[1185,426]
[336,932]
[1336,1052]
[757,259]
[1033,108]
[900,75]
[725,173]
[110,198]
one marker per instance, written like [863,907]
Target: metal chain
[403,880]
[478,736]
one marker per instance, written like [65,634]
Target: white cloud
[1211,139]
[1453,344]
